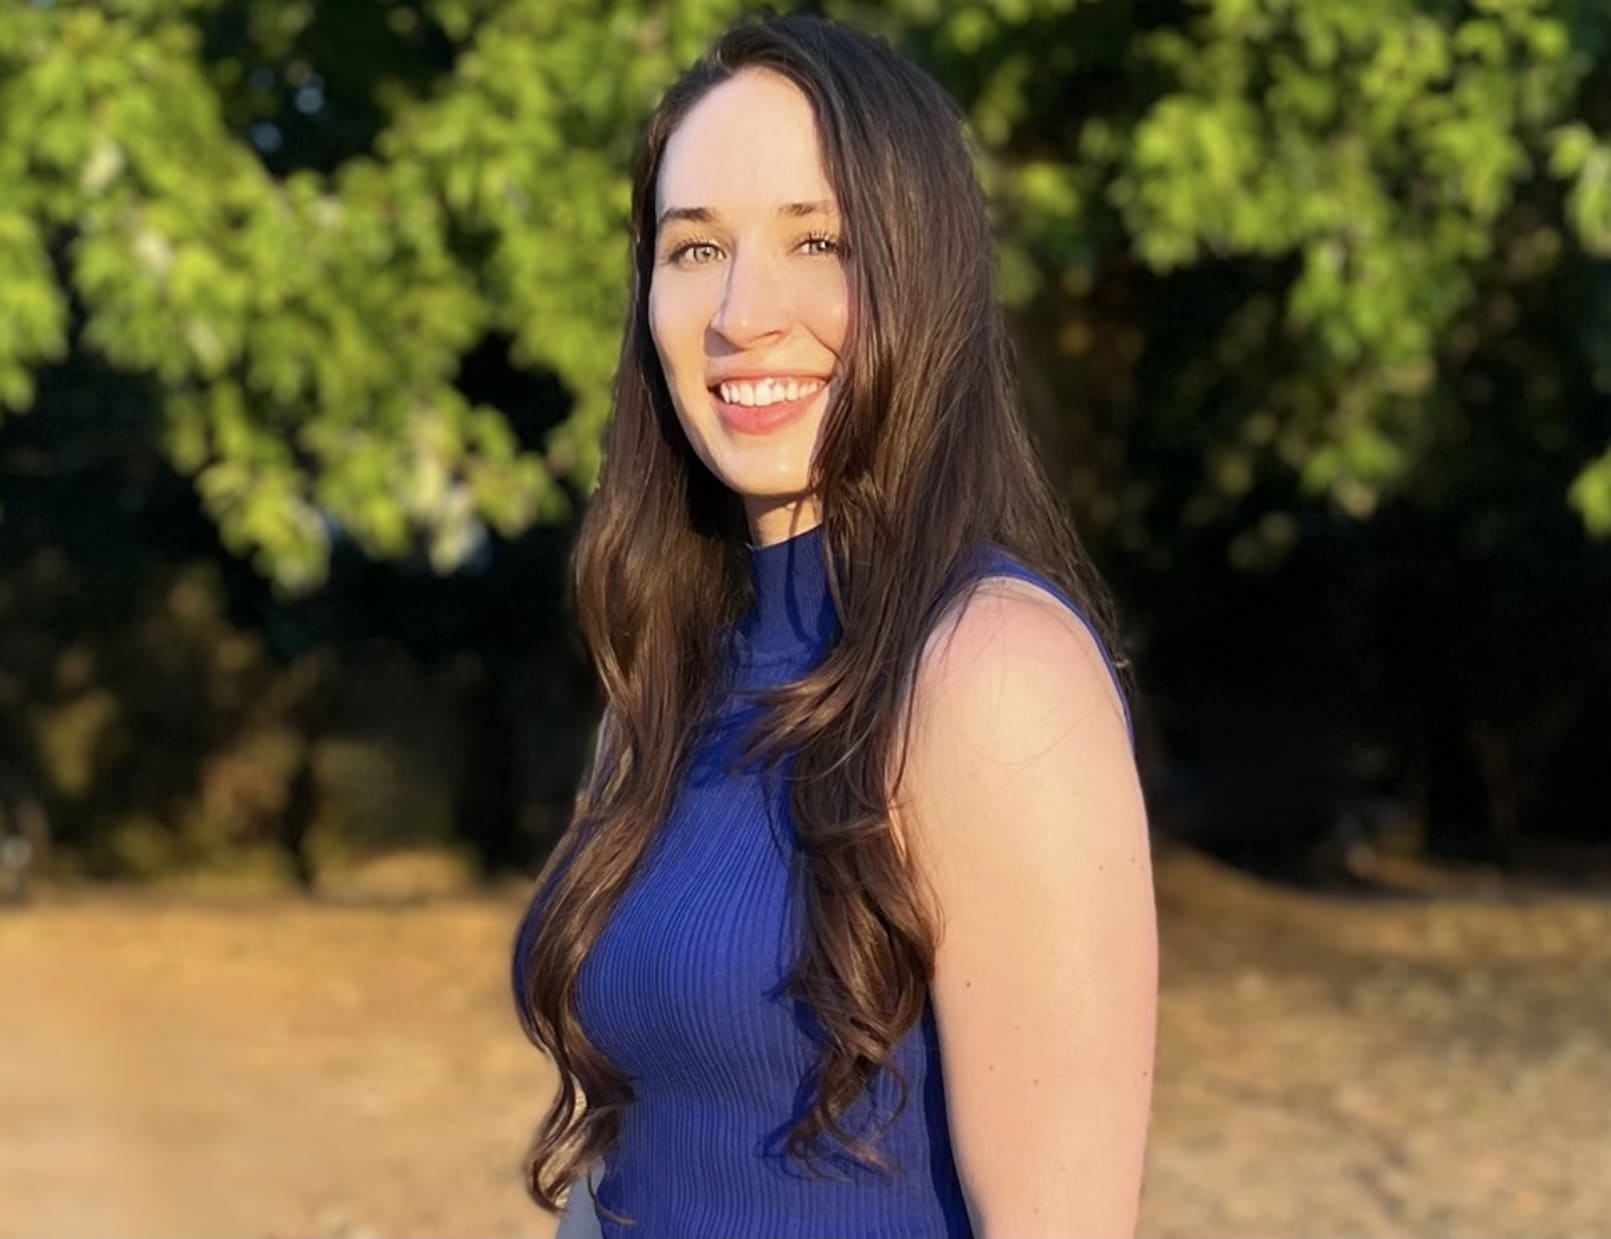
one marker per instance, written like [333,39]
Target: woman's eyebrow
[704,215]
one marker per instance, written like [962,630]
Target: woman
[853,932]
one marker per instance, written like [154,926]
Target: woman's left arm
[1021,800]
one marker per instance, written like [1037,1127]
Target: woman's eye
[703,253]
[691,248]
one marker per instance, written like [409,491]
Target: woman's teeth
[767,391]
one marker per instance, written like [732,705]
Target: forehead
[750,143]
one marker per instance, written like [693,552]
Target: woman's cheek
[679,338]
[831,310]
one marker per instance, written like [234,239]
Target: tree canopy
[295,221]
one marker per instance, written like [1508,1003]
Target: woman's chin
[759,483]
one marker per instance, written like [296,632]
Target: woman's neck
[776,520]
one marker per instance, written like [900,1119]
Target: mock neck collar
[793,614]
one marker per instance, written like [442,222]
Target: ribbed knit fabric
[683,991]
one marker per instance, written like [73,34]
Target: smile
[766,392]
[760,408]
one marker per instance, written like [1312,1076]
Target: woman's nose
[754,303]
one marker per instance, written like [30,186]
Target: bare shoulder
[1014,652]
[1011,696]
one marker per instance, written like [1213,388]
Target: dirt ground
[185,1065]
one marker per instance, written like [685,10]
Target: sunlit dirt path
[171,1066]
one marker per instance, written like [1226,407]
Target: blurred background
[308,318]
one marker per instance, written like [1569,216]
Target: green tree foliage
[1363,185]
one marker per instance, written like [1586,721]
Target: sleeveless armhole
[1001,564]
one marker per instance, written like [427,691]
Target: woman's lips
[763,419]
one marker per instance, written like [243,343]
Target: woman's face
[749,301]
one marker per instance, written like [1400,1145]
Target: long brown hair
[922,458]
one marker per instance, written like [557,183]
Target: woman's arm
[1021,801]
[580,1221]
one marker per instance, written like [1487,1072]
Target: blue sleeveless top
[684,989]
